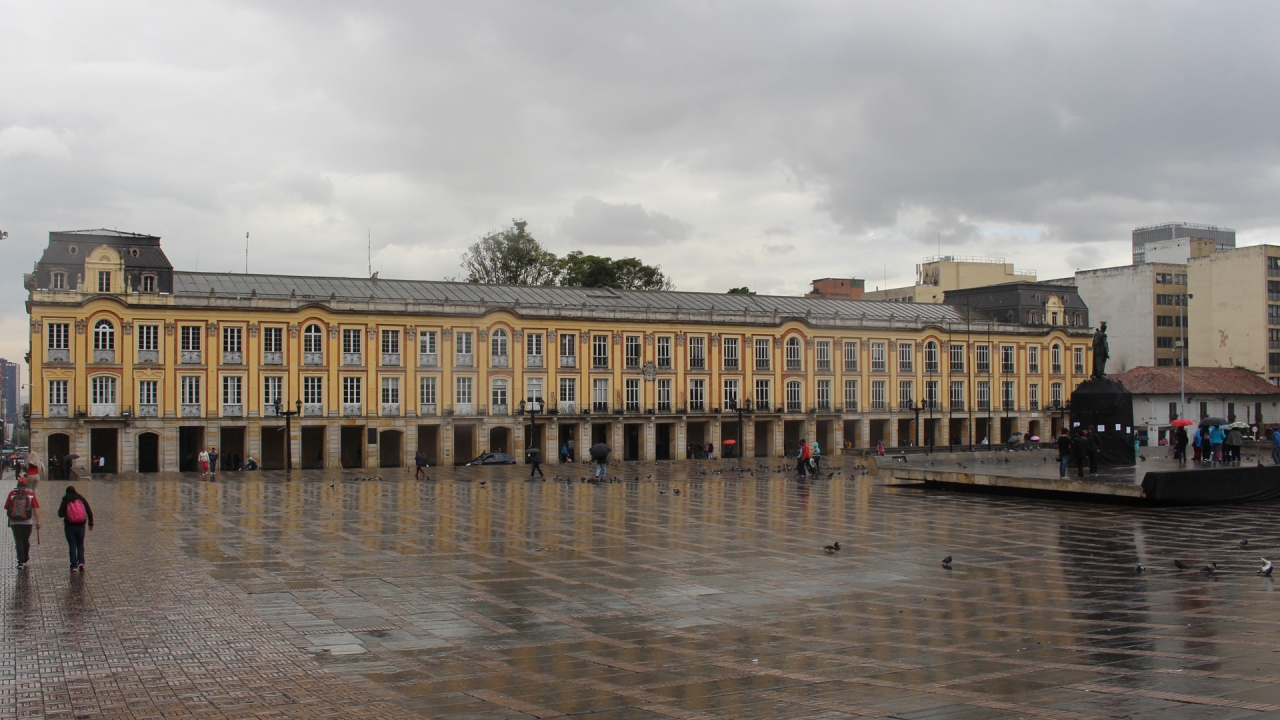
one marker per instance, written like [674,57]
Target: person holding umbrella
[600,453]
[535,460]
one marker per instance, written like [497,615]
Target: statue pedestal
[1106,404]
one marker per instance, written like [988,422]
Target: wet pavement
[478,594]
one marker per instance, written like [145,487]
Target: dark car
[493,459]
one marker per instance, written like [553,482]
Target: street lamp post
[532,406]
[912,407]
[1182,407]
[288,432]
[740,408]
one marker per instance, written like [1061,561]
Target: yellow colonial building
[144,365]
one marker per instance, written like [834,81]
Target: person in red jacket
[23,511]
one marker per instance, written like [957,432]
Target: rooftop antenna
[939,243]
[246,253]
[369,251]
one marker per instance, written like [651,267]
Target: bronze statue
[1101,351]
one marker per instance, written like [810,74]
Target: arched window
[793,353]
[1055,359]
[312,339]
[498,343]
[104,335]
[795,399]
[931,357]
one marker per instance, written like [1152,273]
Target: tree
[744,290]
[510,257]
[579,270]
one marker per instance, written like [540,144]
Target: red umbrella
[730,442]
[1182,422]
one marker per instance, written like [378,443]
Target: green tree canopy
[744,290]
[510,257]
[513,257]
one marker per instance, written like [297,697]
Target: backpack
[20,508]
[76,513]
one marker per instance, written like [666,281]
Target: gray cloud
[1039,132]
[595,222]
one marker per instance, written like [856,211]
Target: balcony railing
[731,363]
[633,406]
[1033,368]
[499,361]
[697,363]
[794,407]
[58,411]
[1009,405]
[793,364]
[390,359]
[232,358]
[957,405]
[191,410]
[906,367]
[633,363]
[697,406]
[879,406]
[351,358]
[1033,405]
[664,406]
[390,409]
[762,364]
[463,360]
[823,365]
[104,356]
[931,368]
[850,366]
[824,406]
[104,409]
[148,356]
[1006,368]
[1055,369]
[957,367]
[664,363]
[567,408]
[232,410]
[762,405]
[984,406]
[600,363]
[312,358]
[502,409]
[427,360]
[600,407]
[272,358]
[568,361]
[533,361]
[352,409]
[851,406]
[427,409]
[190,357]
[313,409]
[464,409]
[269,410]
[60,355]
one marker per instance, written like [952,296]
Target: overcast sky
[733,143]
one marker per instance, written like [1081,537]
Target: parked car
[493,459]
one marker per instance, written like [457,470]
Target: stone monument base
[1105,407]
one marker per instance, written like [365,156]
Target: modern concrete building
[11,391]
[1179,251]
[1223,238]
[146,372]
[938,274]
[1145,309]
[1229,393]
[1236,310]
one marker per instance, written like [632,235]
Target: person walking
[802,459]
[535,460]
[1095,450]
[203,457]
[1080,451]
[1064,453]
[600,453]
[880,448]
[1180,446]
[1275,444]
[1235,441]
[23,511]
[420,461]
[213,461]
[1216,438]
[816,453]
[77,517]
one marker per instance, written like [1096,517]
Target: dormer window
[104,281]
[148,283]
[58,281]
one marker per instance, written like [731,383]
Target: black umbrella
[73,456]
[1211,421]
[600,451]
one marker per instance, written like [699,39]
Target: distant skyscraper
[9,390]
[1224,237]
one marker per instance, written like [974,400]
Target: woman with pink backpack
[76,517]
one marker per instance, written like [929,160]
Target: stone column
[332,446]
[837,438]
[650,439]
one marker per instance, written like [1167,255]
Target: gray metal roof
[434,292]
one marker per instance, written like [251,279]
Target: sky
[745,143]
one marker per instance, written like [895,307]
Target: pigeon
[832,548]
[1244,543]
[946,562]
[1266,568]
[1210,569]
[1140,569]
[1180,565]
[482,482]
[1143,458]
[662,492]
[676,491]
[335,482]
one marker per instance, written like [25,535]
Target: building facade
[10,391]
[936,275]
[1025,303]
[1145,308]
[1224,238]
[380,369]
[1235,304]
[1229,393]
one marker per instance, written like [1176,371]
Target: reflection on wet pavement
[324,596]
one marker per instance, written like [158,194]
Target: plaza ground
[328,596]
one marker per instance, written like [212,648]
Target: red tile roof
[1200,381]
